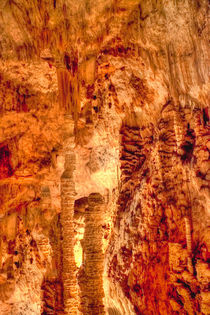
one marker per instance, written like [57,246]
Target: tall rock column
[91,282]
[67,212]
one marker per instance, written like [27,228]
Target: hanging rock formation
[104,157]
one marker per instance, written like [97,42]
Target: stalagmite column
[91,282]
[189,244]
[67,212]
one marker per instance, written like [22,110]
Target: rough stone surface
[104,157]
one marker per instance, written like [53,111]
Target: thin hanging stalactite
[69,92]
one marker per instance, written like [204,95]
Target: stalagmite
[189,244]
[104,157]
[67,213]
[90,281]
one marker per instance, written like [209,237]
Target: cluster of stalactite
[156,221]
[69,86]
[111,58]
[133,156]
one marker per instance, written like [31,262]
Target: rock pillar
[67,212]
[91,281]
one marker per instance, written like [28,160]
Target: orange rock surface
[104,157]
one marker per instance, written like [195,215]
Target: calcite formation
[104,157]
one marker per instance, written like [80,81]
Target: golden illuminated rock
[104,157]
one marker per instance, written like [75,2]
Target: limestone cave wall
[104,157]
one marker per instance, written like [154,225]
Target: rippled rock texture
[104,157]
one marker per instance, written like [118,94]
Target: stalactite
[138,68]
[68,86]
